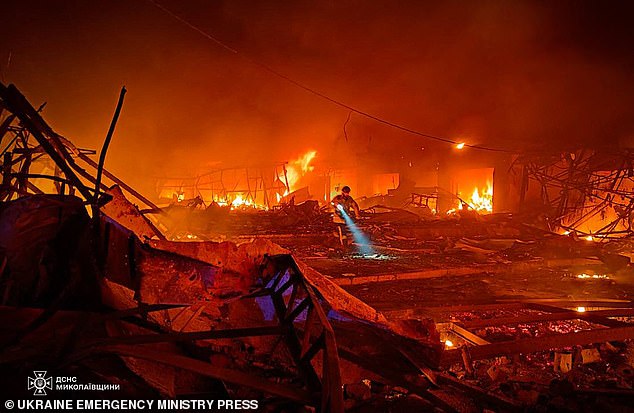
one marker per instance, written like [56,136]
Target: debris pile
[250,303]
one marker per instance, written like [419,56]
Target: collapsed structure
[88,276]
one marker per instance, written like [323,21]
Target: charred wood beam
[6,171]
[290,317]
[480,394]
[104,149]
[9,145]
[29,117]
[4,127]
[331,385]
[536,344]
[206,369]
[192,336]
[309,329]
[332,380]
[34,188]
[555,305]
[537,318]
[41,176]
[19,318]
[314,348]
[294,345]
[467,335]
[592,317]
[119,182]
[385,370]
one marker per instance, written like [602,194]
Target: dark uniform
[348,203]
[351,208]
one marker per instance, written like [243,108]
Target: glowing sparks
[459,145]
[581,309]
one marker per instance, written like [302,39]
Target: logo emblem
[39,383]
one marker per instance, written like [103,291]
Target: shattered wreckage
[91,284]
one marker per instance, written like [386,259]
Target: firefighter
[348,204]
[344,204]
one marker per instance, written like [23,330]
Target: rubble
[265,303]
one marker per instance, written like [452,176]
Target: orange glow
[297,169]
[594,276]
[460,145]
[238,201]
[581,309]
[481,200]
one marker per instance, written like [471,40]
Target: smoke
[504,74]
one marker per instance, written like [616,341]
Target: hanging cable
[315,92]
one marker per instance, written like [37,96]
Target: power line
[313,91]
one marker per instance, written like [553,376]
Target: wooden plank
[298,310]
[314,348]
[475,307]
[206,369]
[468,335]
[603,320]
[536,344]
[292,341]
[539,318]
[192,335]
[588,302]
[479,393]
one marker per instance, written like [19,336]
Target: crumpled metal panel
[127,214]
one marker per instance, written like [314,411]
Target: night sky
[509,74]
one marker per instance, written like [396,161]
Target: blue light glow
[359,237]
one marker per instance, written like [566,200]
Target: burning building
[206,251]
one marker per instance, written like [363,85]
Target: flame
[481,200]
[595,276]
[581,309]
[239,201]
[297,169]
